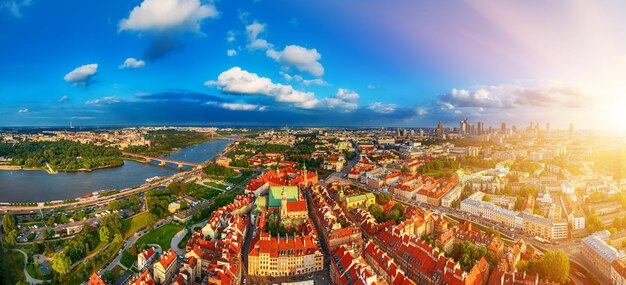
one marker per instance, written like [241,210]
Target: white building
[451,196]
[145,258]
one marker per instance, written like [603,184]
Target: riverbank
[48,169]
[41,187]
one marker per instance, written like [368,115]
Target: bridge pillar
[162,163]
[148,160]
[180,166]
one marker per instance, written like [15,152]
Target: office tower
[481,127]
[463,126]
[440,129]
[514,129]
[571,129]
[503,128]
[547,127]
[490,129]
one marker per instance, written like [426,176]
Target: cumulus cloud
[166,21]
[303,59]
[299,78]
[371,86]
[22,111]
[242,107]
[507,97]
[63,99]
[82,75]
[104,101]
[382,108]
[347,95]
[253,31]
[132,63]
[238,81]
[231,52]
[15,6]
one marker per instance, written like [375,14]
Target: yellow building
[286,256]
[360,201]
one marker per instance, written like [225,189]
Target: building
[96,280]
[348,267]
[173,207]
[165,267]
[384,266]
[360,200]
[145,258]
[144,279]
[547,229]
[451,196]
[599,253]
[577,220]
[618,272]
[284,256]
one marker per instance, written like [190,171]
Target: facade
[145,258]
[165,267]
[284,256]
[599,253]
[451,196]
[361,200]
[618,272]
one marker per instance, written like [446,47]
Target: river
[34,186]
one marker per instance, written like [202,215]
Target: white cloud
[347,95]
[303,59]
[383,108]
[421,111]
[307,82]
[133,63]
[168,15]
[63,99]
[106,101]
[242,107]
[254,42]
[22,111]
[231,36]
[238,81]
[82,74]
[371,86]
[15,6]
[231,52]
[336,103]
[506,97]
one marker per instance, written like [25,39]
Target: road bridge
[162,160]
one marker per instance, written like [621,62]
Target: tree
[554,266]
[183,204]
[64,218]
[152,220]
[105,234]
[9,223]
[11,236]
[377,212]
[108,276]
[51,221]
[61,263]
[36,248]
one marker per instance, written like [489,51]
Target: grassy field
[131,225]
[82,272]
[217,185]
[160,236]
[15,262]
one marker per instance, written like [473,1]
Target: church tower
[283,205]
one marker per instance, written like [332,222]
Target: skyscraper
[481,128]
[464,126]
[503,128]
[571,129]
[547,127]
[440,130]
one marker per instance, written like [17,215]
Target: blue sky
[334,63]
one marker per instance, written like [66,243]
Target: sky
[355,63]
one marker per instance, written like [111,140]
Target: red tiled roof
[96,280]
[167,258]
[296,206]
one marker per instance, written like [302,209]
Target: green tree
[64,218]
[50,221]
[11,236]
[105,234]
[9,223]
[183,204]
[61,263]
[152,220]
[554,266]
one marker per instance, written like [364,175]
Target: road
[29,278]
[176,239]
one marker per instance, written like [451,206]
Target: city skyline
[312,64]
